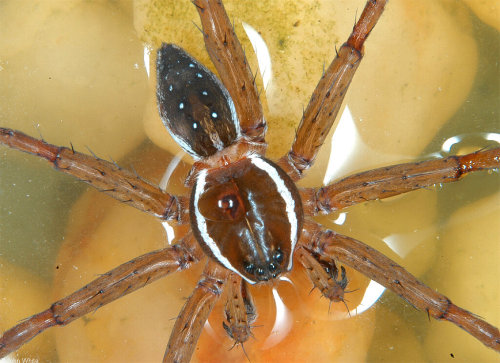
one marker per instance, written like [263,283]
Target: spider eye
[278,256]
[229,204]
[260,272]
[222,203]
[249,268]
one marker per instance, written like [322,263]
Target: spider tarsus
[323,273]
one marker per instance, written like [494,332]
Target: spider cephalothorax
[248,216]
[244,211]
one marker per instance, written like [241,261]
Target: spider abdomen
[194,105]
[247,216]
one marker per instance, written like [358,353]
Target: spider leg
[326,283]
[394,277]
[110,286]
[239,310]
[194,314]
[229,58]
[396,179]
[327,98]
[105,176]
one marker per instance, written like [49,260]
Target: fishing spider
[317,257]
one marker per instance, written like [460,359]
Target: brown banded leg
[388,273]
[110,286]
[327,98]
[229,58]
[194,314]
[323,273]
[393,180]
[239,310]
[106,177]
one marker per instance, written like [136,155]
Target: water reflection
[474,138]
[164,182]
[282,323]
[373,292]
[262,53]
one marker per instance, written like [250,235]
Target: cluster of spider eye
[260,272]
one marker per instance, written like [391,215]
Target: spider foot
[239,311]
[324,274]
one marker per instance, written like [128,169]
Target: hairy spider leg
[388,273]
[103,175]
[393,180]
[328,95]
[195,312]
[110,286]
[229,59]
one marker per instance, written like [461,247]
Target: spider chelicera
[233,216]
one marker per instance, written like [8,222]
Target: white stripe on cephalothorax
[285,194]
[202,227]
